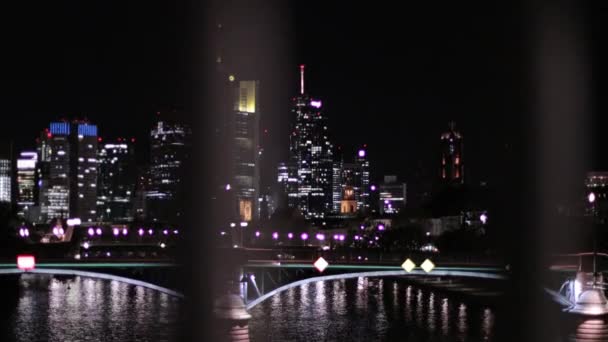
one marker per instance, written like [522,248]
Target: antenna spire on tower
[302,79]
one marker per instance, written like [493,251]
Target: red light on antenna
[26,262]
[99,139]
[48,135]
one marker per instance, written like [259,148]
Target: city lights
[275,235]
[321,264]
[26,262]
[304,236]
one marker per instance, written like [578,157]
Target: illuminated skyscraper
[452,164]
[116,184]
[70,149]
[83,175]
[244,128]
[355,176]
[26,181]
[170,148]
[312,155]
[57,196]
[6,175]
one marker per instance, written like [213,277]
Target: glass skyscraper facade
[312,154]
[170,148]
[116,183]
[245,132]
[5,180]
[26,181]
[70,149]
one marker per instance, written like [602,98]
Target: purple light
[98,231]
[342,237]
[140,231]
[228,187]
[381,227]
[304,236]
[275,235]
[362,227]
[115,231]
[290,235]
[150,231]
[483,218]
[124,231]
[166,232]
[376,238]
[386,201]
[320,237]
[356,237]
[175,232]
[91,231]
[55,231]
[335,236]
[257,234]
[361,153]
[373,188]
[316,104]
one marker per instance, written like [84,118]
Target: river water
[371,309]
[83,309]
[45,308]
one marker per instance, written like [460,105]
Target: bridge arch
[95,275]
[436,272]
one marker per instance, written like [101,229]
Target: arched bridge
[149,275]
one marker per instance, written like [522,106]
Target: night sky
[390,77]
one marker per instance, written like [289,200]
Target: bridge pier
[230,314]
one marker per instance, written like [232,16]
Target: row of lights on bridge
[117,232]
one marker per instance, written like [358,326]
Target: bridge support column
[231,316]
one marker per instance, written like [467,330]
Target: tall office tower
[170,148]
[39,214]
[26,181]
[83,175]
[452,164]
[363,198]
[70,149]
[337,186]
[6,174]
[244,128]
[116,183]
[392,195]
[312,154]
[288,183]
[142,185]
[57,196]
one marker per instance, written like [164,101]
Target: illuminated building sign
[87,130]
[60,128]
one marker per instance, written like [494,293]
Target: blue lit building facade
[69,190]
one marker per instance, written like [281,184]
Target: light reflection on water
[83,309]
[362,309]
